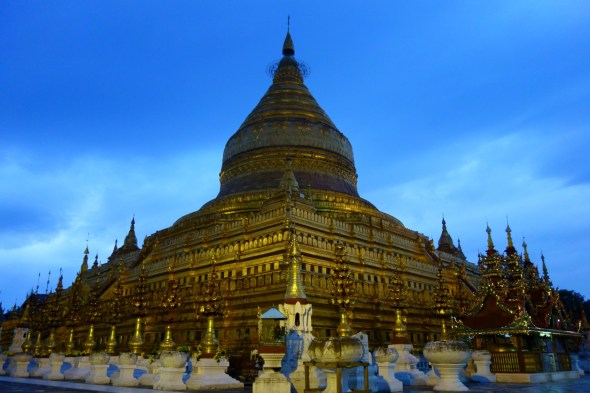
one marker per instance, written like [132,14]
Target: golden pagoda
[287,166]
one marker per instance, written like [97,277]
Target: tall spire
[526,253]
[491,249]
[130,243]
[545,272]
[295,289]
[60,282]
[460,253]
[445,242]
[510,248]
[288,47]
[84,266]
[288,68]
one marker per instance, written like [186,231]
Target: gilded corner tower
[287,202]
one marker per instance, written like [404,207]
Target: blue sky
[475,110]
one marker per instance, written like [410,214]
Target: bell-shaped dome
[288,125]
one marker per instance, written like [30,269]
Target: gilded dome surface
[288,124]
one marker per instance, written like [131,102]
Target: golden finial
[490,242]
[545,271]
[510,250]
[288,47]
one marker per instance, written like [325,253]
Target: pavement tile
[32,385]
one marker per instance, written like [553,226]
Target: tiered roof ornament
[510,295]
[445,243]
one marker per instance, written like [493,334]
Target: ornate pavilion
[519,318]
[287,168]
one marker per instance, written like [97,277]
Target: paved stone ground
[8,385]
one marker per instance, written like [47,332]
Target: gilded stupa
[287,172]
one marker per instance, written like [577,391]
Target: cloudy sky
[476,110]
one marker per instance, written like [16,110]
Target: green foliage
[573,302]
[279,333]
[184,348]
[220,354]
